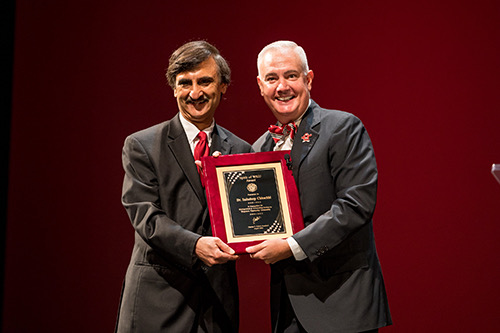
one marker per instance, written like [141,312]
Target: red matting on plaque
[250,209]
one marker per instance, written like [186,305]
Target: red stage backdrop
[424,76]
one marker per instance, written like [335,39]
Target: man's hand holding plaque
[212,251]
[270,251]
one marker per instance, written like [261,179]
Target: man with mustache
[327,277]
[180,278]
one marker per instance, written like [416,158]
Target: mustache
[189,100]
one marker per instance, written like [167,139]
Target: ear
[261,85]
[223,88]
[309,79]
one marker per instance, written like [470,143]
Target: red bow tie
[281,132]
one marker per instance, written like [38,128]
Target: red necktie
[281,132]
[201,149]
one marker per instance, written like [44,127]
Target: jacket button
[322,250]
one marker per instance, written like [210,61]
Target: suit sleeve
[348,186]
[141,199]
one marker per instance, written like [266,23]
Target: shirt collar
[192,131]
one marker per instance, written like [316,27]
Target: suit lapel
[178,144]
[219,142]
[307,134]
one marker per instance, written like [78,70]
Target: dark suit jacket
[167,289]
[339,287]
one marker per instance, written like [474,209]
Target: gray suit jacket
[339,287]
[166,288]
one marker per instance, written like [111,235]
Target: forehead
[275,61]
[207,68]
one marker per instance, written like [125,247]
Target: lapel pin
[306,137]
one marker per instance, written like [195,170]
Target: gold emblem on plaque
[252,187]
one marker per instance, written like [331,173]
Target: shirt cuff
[297,251]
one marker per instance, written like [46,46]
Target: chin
[285,108]
[285,113]
[199,113]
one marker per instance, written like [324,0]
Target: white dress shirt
[192,132]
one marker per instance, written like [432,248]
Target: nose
[282,85]
[196,91]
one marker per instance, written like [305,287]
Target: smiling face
[198,93]
[284,84]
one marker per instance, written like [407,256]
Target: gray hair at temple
[282,45]
[191,55]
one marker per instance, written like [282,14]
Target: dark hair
[190,55]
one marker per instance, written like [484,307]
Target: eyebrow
[206,79]
[270,74]
[184,81]
[292,71]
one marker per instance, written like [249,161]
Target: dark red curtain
[423,76]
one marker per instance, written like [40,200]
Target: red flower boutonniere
[306,137]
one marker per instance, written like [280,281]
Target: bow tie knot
[281,132]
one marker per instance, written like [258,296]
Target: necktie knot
[280,133]
[202,136]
